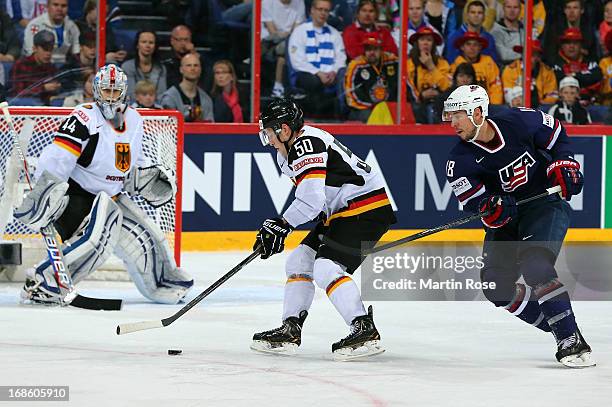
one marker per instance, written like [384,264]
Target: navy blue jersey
[513,163]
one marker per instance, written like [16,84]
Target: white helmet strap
[478,126]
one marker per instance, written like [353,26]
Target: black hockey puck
[174,351]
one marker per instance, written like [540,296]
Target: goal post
[162,144]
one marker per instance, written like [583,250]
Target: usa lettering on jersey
[516,173]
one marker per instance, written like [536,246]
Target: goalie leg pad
[87,250]
[145,251]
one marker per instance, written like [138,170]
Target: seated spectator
[187,97]
[365,23]
[416,20]
[84,93]
[475,12]
[514,96]
[464,75]
[181,45]
[606,25]
[30,73]
[23,11]
[544,81]
[570,61]
[278,19]
[487,72]
[9,42]
[238,11]
[605,93]
[563,15]
[145,65]
[568,109]
[226,101]
[428,73]
[508,32]
[145,96]
[317,55]
[85,60]
[64,30]
[370,79]
[89,22]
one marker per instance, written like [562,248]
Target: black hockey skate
[574,352]
[364,340]
[282,340]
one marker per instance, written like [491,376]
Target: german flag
[68,144]
[315,172]
[361,204]
[335,284]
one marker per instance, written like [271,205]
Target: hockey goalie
[83,184]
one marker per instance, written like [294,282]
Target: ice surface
[438,353]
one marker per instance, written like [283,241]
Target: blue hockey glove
[499,209]
[566,173]
[271,237]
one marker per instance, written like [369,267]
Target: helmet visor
[450,107]
[263,135]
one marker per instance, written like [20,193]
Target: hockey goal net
[162,144]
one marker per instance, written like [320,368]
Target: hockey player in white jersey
[84,180]
[348,198]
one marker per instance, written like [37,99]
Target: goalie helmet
[110,77]
[468,98]
[277,112]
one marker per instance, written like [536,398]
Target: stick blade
[138,326]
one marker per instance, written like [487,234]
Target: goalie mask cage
[162,144]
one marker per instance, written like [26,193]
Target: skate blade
[578,361]
[369,348]
[284,348]
[27,299]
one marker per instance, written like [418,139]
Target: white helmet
[468,98]
[113,78]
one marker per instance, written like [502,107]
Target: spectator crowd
[338,58]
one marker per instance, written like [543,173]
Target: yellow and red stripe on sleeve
[315,172]
[68,145]
[361,204]
[335,284]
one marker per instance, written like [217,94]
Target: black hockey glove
[566,173]
[271,237]
[498,210]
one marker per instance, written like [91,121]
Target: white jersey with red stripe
[513,163]
[90,151]
[329,178]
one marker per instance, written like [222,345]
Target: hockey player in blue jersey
[501,159]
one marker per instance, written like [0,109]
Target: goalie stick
[68,294]
[458,222]
[144,325]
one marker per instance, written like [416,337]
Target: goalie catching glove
[44,203]
[156,184]
[566,173]
[271,237]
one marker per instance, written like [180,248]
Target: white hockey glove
[156,184]
[44,203]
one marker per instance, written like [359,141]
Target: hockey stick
[56,258]
[144,325]
[356,252]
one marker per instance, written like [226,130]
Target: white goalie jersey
[89,150]
[329,178]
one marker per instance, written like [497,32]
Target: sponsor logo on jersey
[88,106]
[307,161]
[82,115]
[115,178]
[460,186]
[516,173]
[122,156]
